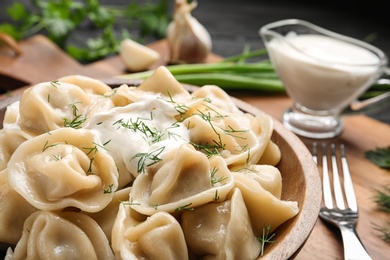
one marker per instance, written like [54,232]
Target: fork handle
[353,247]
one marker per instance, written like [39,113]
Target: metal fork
[345,214]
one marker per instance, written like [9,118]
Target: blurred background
[232,24]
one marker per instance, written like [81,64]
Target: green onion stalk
[236,73]
[233,73]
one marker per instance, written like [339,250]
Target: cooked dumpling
[238,138]
[9,141]
[263,207]
[163,82]
[221,230]
[123,95]
[156,237]
[268,176]
[64,168]
[106,217]
[66,235]
[139,133]
[51,105]
[14,210]
[218,97]
[11,116]
[271,155]
[88,84]
[183,178]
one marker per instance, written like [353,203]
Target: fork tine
[336,180]
[327,192]
[348,186]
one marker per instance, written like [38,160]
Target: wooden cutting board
[41,60]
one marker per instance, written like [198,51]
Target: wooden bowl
[301,182]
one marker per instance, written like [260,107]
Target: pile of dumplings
[136,172]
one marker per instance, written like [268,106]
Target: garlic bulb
[188,40]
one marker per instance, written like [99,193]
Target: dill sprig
[214,179]
[185,207]
[150,135]
[234,132]
[46,146]
[217,145]
[181,108]
[265,238]
[92,152]
[109,189]
[382,198]
[153,156]
[77,120]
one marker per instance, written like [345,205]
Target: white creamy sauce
[147,127]
[320,72]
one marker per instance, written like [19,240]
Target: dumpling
[123,95]
[51,105]
[221,230]
[218,97]
[156,237]
[139,133]
[14,210]
[163,82]
[66,235]
[10,139]
[271,155]
[106,217]
[11,116]
[96,91]
[88,84]
[184,178]
[64,168]
[239,138]
[268,176]
[263,206]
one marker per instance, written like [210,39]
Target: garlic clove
[188,39]
[137,57]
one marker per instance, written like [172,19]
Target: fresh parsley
[61,19]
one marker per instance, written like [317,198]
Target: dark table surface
[234,24]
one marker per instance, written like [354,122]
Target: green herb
[77,120]
[109,190]
[384,231]
[60,19]
[185,207]
[149,135]
[55,83]
[179,107]
[216,196]
[92,154]
[380,156]
[57,157]
[214,179]
[129,203]
[265,238]
[382,199]
[214,148]
[46,146]
[144,157]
